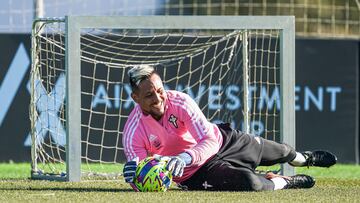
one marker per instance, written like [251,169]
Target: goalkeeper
[203,156]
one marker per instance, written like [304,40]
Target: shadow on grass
[41,185]
[68,189]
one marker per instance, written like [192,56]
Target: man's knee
[288,153]
[280,153]
[256,185]
[253,182]
[274,153]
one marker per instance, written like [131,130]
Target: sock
[299,160]
[279,183]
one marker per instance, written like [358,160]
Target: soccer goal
[239,69]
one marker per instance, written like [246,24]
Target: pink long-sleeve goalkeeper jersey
[182,128]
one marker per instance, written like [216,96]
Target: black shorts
[233,167]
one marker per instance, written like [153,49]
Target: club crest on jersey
[172,120]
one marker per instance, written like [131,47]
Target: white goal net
[233,74]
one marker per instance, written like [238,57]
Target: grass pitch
[340,183]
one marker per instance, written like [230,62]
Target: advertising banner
[326,98]
[327,74]
[14,96]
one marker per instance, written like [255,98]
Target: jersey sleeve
[133,142]
[204,132]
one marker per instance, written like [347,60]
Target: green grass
[340,183]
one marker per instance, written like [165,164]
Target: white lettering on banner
[101,97]
[317,98]
[129,101]
[234,101]
[117,95]
[256,127]
[333,91]
[264,97]
[214,98]
[297,92]
[50,104]
[229,99]
[190,92]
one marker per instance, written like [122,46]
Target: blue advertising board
[326,97]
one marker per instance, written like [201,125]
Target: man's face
[151,96]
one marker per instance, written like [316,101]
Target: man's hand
[271,175]
[176,164]
[130,170]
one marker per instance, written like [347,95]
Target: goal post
[205,56]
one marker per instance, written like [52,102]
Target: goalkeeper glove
[176,164]
[129,172]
